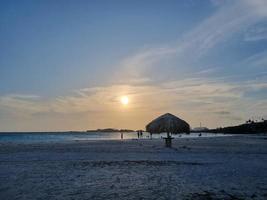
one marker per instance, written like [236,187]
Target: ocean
[36,137]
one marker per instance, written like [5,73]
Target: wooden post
[168,140]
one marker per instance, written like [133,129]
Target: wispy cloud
[227,21]
[258,60]
[136,65]
[192,99]
[256,33]
[230,19]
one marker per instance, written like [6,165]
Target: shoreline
[183,137]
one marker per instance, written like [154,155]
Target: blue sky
[65,64]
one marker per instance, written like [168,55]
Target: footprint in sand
[118,180]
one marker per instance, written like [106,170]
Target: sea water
[36,137]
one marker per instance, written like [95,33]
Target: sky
[64,65]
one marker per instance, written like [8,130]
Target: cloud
[195,99]
[227,21]
[256,34]
[222,112]
[136,65]
[256,61]
[230,18]
[258,6]
[23,103]
[24,96]
[208,71]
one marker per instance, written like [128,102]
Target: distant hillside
[250,127]
[109,130]
[199,129]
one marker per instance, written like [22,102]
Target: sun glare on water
[124,100]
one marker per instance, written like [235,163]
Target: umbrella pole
[168,134]
[168,140]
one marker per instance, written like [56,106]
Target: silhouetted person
[121,135]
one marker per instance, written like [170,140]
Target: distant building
[200,129]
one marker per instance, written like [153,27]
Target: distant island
[108,130]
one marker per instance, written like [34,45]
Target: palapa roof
[168,123]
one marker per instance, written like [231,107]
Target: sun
[124,100]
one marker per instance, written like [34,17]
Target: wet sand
[196,168]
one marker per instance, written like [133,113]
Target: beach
[229,167]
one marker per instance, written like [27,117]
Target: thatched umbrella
[168,123]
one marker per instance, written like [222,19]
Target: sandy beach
[231,167]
